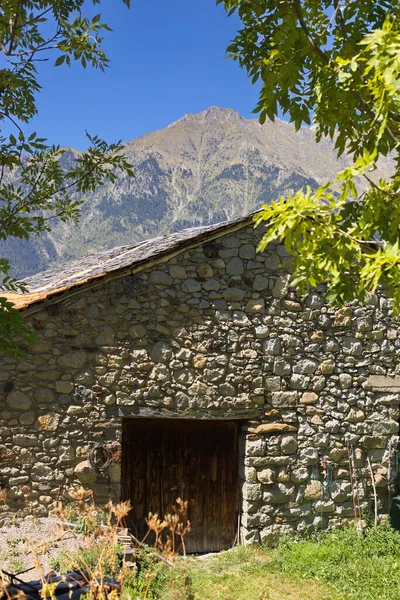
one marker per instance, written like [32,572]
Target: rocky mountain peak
[213,113]
[220,114]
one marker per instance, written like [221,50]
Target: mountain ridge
[203,168]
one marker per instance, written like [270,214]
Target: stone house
[187,367]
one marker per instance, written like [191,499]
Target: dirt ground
[30,544]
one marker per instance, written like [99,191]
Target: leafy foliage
[34,189]
[151,579]
[335,65]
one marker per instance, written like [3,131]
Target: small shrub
[87,518]
[99,559]
[150,580]
[17,565]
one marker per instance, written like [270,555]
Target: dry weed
[100,559]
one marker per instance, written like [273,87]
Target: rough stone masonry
[215,332]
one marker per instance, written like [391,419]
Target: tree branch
[24,202]
[340,20]
[362,242]
[13,29]
[317,49]
[3,114]
[35,18]
[40,48]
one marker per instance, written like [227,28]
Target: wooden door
[165,459]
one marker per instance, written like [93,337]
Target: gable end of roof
[53,286]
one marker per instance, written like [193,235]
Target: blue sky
[167,59]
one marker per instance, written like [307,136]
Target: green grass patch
[344,564]
[245,573]
[357,564]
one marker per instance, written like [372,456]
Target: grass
[347,563]
[344,564]
[357,565]
[245,573]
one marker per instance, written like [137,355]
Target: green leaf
[60,60]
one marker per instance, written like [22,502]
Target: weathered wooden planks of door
[165,459]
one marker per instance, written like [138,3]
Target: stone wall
[214,333]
